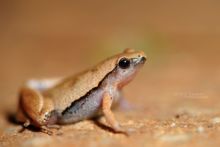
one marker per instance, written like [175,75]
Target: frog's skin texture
[88,94]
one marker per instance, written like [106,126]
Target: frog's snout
[143,60]
[140,60]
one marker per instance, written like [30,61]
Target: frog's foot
[26,123]
[57,127]
[24,126]
[46,130]
[122,131]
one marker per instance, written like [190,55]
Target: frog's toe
[57,127]
[46,130]
[123,131]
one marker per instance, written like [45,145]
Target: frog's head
[127,65]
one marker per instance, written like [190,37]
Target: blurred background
[40,39]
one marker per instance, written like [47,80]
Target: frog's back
[75,87]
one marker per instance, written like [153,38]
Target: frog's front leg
[109,116]
[34,109]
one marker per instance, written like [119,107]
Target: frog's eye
[124,63]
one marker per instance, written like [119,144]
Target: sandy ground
[175,96]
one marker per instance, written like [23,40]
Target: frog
[91,93]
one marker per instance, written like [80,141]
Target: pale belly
[85,108]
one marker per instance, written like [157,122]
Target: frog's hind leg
[31,100]
[31,104]
[36,109]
